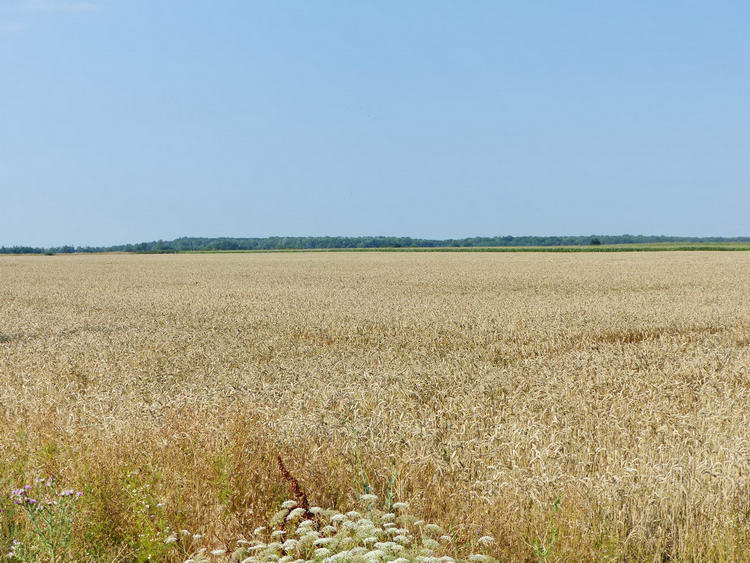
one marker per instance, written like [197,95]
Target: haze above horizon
[127,121]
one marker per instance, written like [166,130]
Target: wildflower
[478,557]
[323,541]
[400,505]
[296,513]
[259,530]
[185,532]
[433,528]
[369,498]
[277,533]
[310,536]
[316,510]
[289,504]
[388,516]
[486,540]
[322,552]
[218,552]
[353,515]
[430,543]
[197,536]
[290,544]
[170,539]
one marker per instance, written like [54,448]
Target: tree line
[184,244]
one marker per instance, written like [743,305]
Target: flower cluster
[22,496]
[298,535]
[51,513]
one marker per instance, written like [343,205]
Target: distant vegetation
[193,244]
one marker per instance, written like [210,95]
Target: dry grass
[576,407]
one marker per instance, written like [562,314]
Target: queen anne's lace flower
[330,536]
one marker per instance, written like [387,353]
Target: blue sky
[130,120]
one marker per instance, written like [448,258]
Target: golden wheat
[574,407]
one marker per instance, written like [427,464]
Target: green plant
[49,514]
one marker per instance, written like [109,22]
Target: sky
[133,120]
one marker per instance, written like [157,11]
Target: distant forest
[311,243]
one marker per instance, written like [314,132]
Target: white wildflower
[486,540]
[296,513]
[323,541]
[290,544]
[289,504]
[430,543]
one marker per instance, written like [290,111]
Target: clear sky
[131,120]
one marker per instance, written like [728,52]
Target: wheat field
[573,407]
